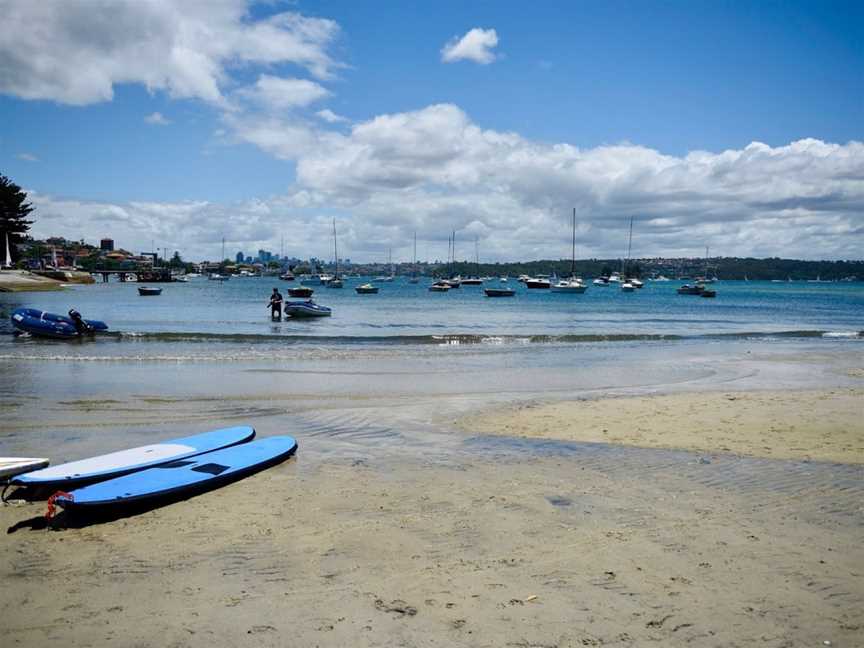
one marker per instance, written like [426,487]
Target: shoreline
[812,425]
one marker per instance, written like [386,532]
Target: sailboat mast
[335,251]
[629,247]
[477,254]
[573,254]
[223,250]
[414,265]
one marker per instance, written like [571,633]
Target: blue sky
[608,80]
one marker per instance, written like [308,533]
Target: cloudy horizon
[271,131]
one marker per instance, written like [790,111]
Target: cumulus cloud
[276,93]
[475,46]
[157,119]
[186,49]
[330,117]
[434,170]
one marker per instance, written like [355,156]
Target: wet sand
[391,527]
[819,425]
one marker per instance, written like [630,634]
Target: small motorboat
[627,287]
[472,281]
[687,289]
[305,309]
[602,282]
[503,280]
[440,286]
[539,282]
[573,285]
[287,277]
[455,282]
[636,283]
[499,292]
[148,291]
[215,276]
[300,291]
[709,293]
[335,282]
[366,289]
[41,324]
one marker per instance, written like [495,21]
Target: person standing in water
[276,305]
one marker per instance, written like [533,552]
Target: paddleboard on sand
[182,477]
[10,466]
[126,461]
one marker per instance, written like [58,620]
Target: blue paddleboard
[183,477]
[126,461]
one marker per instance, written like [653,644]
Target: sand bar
[823,425]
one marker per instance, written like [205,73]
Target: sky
[732,125]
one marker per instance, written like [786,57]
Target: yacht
[539,282]
[573,284]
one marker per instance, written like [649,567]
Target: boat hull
[42,324]
[305,309]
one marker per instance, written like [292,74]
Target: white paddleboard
[125,461]
[11,466]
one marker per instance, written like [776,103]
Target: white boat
[574,284]
[215,276]
[627,287]
[315,280]
[538,282]
[440,286]
[306,309]
[601,281]
[503,280]
[334,281]
[636,283]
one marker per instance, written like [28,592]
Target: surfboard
[183,476]
[10,466]
[119,463]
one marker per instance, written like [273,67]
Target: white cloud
[157,119]
[186,49]
[434,170]
[330,117]
[276,93]
[28,157]
[475,46]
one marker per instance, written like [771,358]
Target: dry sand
[544,552]
[826,425]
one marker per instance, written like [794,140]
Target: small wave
[843,334]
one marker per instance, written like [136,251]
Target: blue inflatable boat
[42,324]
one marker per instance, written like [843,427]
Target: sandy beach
[529,526]
[820,425]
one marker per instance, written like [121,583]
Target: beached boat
[305,309]
[499,292]
[300,291]
[41,324]
[148,291]
[366,289]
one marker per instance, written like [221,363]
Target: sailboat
[7,263]
[336,281]
[455,281]
[215,276]
[629,285]
[475,280]
[573,284]
[392,274]
[414,279]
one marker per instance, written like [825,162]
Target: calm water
[206,318]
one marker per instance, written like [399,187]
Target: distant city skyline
[735,125]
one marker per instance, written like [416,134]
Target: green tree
[13,214]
